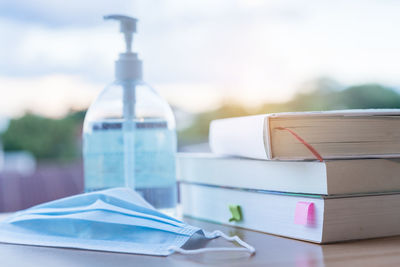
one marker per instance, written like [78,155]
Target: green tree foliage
[45,138]
[369,96]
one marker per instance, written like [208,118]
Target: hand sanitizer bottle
[129,133]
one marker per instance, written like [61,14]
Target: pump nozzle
[128,27]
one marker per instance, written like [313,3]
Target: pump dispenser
[128,66]
[129,133]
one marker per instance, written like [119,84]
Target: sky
[58,55]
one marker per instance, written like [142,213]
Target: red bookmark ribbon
[307,145]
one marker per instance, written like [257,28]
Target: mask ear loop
[245,247]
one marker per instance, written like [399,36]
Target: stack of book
[316,176]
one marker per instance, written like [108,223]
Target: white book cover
[311,218]
[250,136]
[310,177]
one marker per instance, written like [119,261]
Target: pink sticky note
[304,213]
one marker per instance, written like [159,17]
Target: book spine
[267,137]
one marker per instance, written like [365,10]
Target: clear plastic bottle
[130,137]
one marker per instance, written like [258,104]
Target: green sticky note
[236,212]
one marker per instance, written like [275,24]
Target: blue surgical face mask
[116,220]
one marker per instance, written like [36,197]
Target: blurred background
[209,59]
